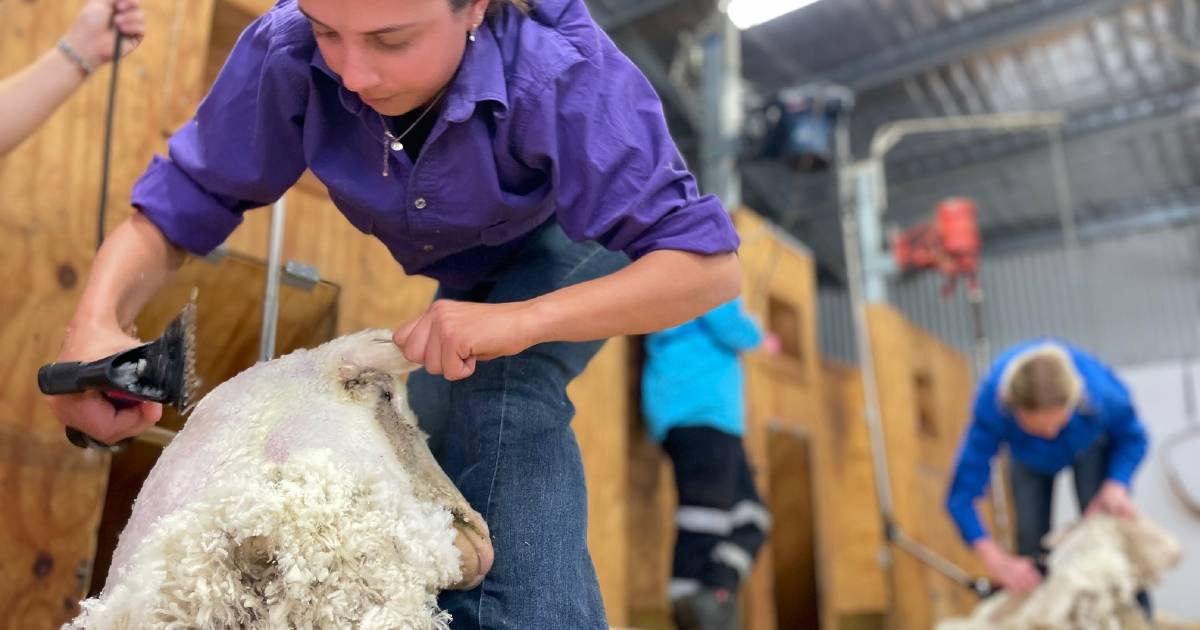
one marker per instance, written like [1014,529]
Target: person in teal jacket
[693,403]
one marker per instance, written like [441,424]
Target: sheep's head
[301,493]
[369,370]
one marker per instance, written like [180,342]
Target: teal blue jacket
[693,376]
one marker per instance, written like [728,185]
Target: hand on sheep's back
[300,494]
[1113,498]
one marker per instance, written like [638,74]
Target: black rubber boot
[709,609]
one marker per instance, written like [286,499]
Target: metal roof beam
[998,28]
[679,98]
[629,13]
[1128,217]
[1078,124]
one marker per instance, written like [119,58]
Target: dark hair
[523,5]
[1042,379]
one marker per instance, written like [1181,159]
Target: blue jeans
[1033,496]
[503,436]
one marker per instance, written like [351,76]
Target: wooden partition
[856,593]
[925,393]
[51,492]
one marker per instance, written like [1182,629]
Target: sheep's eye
[387,395]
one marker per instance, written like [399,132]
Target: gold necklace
[396,143]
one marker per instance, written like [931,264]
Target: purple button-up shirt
[545,117]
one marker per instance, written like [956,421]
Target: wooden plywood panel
[856,582]
[51,492]
[650,530]
[602,403]
[918,374]
[793,508]
[893,353]
[778,288]
[758,592]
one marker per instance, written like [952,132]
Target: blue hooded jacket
[1106,409]
[693,376]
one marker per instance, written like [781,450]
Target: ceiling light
[747,13]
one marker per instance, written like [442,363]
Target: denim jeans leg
[1033,494]
[507,444]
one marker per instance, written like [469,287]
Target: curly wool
[306,544]
[1094,572]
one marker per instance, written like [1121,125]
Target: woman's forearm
[135,262]
[662,289]
[33,94]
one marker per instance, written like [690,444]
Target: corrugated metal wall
[1137,300]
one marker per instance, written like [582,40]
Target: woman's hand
[91,412]
[1114,499]
[449,337]
[92,33]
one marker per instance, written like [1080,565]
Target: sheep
[1094,572]
[300,494]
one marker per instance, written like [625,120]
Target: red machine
[950,244]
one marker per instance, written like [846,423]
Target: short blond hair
[1041,377]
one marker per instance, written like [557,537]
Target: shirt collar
[480,78]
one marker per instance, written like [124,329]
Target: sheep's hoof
[475,547]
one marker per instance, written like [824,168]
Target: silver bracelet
[74,55]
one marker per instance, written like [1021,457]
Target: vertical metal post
[876,267]
[270,310]
[850,179]
[722,111]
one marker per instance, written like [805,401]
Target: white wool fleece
[342,547]
[1094,572]
[282,505]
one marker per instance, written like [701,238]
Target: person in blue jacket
[1055,406]
[692,399]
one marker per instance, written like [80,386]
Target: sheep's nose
[474,542]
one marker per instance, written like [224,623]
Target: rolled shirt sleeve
[598,130]
[243,149]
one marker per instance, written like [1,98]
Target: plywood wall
[50,492]
[925,393]
[778,285]
[855,581]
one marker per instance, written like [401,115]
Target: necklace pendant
[397,145]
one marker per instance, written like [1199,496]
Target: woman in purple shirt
[510,152]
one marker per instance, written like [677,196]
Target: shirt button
[420,203]
[428,248]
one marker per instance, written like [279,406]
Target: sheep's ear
[376,352]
